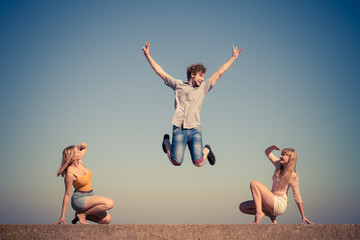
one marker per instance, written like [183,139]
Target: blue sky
[73,71]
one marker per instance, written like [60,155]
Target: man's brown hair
[195,68]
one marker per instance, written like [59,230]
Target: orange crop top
[83,183]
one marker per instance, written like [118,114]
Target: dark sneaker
[211,156]
[166,136]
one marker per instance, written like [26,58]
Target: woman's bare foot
[258,217]
[82,218]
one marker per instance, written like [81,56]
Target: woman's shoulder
[71,170]
[69,177]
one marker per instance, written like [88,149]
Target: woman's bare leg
[96,206]
[263,197]
[101,217]
[249,207]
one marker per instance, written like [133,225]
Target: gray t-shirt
[188,101]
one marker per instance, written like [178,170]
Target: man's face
[198,78]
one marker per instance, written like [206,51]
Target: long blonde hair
[286,171]
[67,160]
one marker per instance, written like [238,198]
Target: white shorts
[280,205]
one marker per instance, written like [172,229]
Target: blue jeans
[191,137]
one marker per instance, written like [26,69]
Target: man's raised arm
[158,70]
[215,77]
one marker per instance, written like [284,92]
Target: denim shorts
[191,137]
[79,199]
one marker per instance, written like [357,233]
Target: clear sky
[74,71]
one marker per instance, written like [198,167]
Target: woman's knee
[254,183]
[242,207]
[109,203]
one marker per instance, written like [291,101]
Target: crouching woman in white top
[273,203]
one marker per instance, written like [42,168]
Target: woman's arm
[294,183]
[270,155]
[301,209]
[68,179]
[82,148]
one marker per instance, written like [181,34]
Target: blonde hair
[67,160]
[289,168]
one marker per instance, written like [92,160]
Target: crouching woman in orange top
[86,205]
